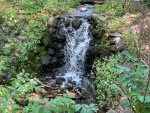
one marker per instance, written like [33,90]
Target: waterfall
[77,43]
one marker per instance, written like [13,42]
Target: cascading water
[77,43]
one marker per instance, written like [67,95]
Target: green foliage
[23,85]
[113,8]
[15,53]
[115,24]
[105,81]
[133,81]
[131,40]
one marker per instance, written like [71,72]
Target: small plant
[133,82]
[131,41]
[105,75]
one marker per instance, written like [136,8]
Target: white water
[77,43]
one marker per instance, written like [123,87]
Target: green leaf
[41,110]
[83,110]
[91,105]
[48,109]
[77,107]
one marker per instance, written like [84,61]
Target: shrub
[105,76]
[133,82]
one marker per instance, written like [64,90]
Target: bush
[105,76]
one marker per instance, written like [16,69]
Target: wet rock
[62,32]
[45,60]
[94,51]
[67,21]
[51,52]
[53,22]
[60,80]
[60,55]
[76,23]
[51,31]
[83,9]
[46,41]
[70,87]
[23,38]
[115,41]
[53,60]
[59,46]
[58,38]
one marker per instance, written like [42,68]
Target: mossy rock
[94,32]
[47,41]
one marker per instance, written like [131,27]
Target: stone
[23,38]
[111,111]
[46,41]
[59,38]
[115,35]
[51,31]
[45,60]
[76,23]
[67,21]
[62,32]
[83,9]
[60,80]
[121,48]
[59,46]
[53,22]
[94,51]
[53,60]
[51,52]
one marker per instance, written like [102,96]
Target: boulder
[60,80]
[51,52]
[67,21]
[53,22]
[76,23]
[62,32]
[51,31]
[83,9]
[45,60]
[46,41]
[59,38]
